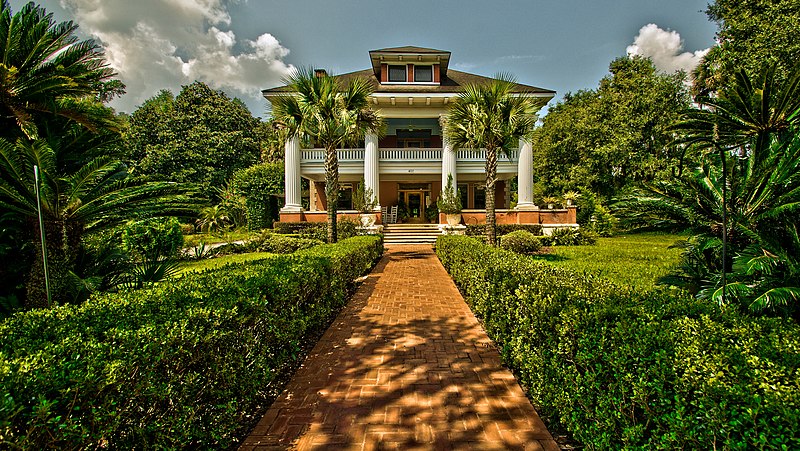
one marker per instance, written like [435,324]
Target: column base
[292,209]
[526,207]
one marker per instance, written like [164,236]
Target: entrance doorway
[416,206]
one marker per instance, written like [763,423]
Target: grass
[637,260]
[209,263]
[209,238]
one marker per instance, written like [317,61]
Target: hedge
[622,369]
[192,362]
[503,229]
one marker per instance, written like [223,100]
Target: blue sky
[244,46]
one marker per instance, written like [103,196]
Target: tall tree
[615,136]
[46,70]
[492,116]
[752,34]
[323,111]
[201,137]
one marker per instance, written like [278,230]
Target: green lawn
[637,260]
[220,261]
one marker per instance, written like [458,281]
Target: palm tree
[322,111]
[95,196]
[44,69]
[746,196]
[493,116]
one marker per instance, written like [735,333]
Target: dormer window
[397,73]
[423,74]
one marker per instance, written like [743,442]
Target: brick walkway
[405,366]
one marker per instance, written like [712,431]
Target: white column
[449,160]
[372,166]
[291,172]
[525,176]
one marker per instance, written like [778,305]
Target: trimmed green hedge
[503,229]
[622,369]
[193,362]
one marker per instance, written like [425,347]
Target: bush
[282,244]
[503,229]
[259,184]
[520,242]
[345,228]
[191,363]
[623,369]
[567,236]
[153,239]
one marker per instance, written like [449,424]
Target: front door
[416,206]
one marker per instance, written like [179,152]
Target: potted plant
[449,203]
[570,197]
[364,201]
[550,201]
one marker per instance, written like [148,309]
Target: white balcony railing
[402,154]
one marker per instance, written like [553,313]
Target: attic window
[397,73]
[423,73]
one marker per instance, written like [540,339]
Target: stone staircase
[410,233]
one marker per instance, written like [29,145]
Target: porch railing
[402,154]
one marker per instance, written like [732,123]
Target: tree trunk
[491,173]
[331,190]
[62,241]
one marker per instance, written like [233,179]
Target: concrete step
[410,233]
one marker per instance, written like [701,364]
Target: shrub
[190,363]
[152,239]
[520,242]
[567,236]
[503,229]
[282,244]
[259,184]
[345,227]
[623,369]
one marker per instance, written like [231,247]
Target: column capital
[443,121]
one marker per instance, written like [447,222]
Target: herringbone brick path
[406,365]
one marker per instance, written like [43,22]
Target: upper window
[397,73]
[423,73]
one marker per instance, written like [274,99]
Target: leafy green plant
[213,219]
[153,239]
[449,201]
[520,242]
[259,184]
[364,200]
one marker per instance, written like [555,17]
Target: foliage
[282,244]
[76,200]
[345,228]
[323,111]
[628,369]
[152,239]
[494,116]
[568,236]
[192,362]
[46,71]
[364,200]
[610,138]
[234,204]
[449,201]
[520,242]
[743,199]
[752,34]
[259,184]
[639,260]
[200,137]
[503,229]
[213,219]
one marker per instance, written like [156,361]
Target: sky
[244,46]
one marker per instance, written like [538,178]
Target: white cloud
[665,49]
[158,44]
